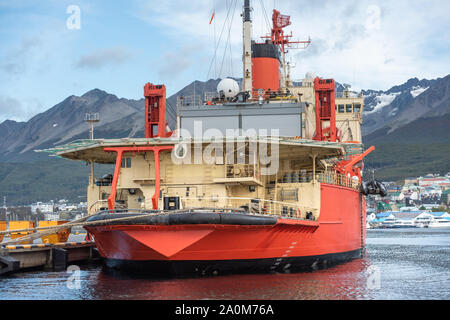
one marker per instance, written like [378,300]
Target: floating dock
[54,256]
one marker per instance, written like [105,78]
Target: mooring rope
[79,222]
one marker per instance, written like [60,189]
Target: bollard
[59,259]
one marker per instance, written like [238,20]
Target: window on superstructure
[341,108]
[348,108]
[357,107]
[126,163]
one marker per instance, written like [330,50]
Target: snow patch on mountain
[393,112]
[417,91]
[382,101]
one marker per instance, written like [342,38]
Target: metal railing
[348,94]
[188,101]
[242,171]
[338,179]
[256,206]
[97,206]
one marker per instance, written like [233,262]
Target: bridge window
[341,108]
[126,163]
[348,108]
[357,107]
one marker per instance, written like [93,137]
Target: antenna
[91,118]
[247,84]
[277,36]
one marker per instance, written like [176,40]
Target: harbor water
[398,264]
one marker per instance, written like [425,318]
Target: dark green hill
[418,148]
[52,179]
[423,131]
[395,161]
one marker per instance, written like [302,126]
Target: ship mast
[247,52]
[277,36]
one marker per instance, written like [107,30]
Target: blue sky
[121,45]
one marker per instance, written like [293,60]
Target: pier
[49,256]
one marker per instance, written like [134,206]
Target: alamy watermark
[73,22]
[373,21]
[73,282]
[374,278]
[237,146]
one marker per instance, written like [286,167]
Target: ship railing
[242,171]
[302,83]
[348,94]
[97,206]
[188,101]
[338,179]
[210,96]
[255,206]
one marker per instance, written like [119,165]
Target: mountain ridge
[410,142]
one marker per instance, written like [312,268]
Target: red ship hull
[338,235]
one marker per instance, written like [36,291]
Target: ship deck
[93,150]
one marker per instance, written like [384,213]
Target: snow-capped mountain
[122,117]
[403,103]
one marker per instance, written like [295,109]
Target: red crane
[354,166]
[325,110]
[155,111]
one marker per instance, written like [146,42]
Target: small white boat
[403,224]
[388,223]
[422,222]
[439,223]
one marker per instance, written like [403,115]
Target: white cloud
[103,57]
[13,109]
[175,62]
[14,62]
[370,44]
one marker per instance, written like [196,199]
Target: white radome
[229,87]
[309,75]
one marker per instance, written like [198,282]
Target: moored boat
[439,223]
[241,184]
[404,224]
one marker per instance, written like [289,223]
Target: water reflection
[344,281]
[411,264]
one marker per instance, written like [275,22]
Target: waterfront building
[397,196]
[411,181]
[440,214]
[409,209]
[430,181]
[42,207]
[445,197]
[51,216]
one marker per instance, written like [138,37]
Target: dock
[49,256]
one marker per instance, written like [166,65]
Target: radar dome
[309,75]
[229,87]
